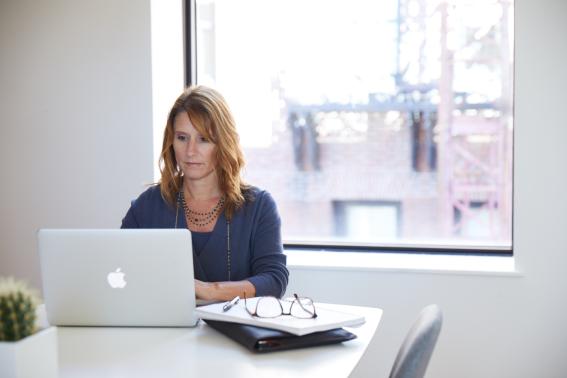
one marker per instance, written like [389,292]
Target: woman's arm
[129,220]
[224,291]
[269,275]
[268,262]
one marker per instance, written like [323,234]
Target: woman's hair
[210,115]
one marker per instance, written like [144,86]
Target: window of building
[367,221]
[370,121]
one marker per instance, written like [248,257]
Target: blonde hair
[210,115]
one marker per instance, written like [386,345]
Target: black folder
[261,340]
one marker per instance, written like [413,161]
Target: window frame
[191,70]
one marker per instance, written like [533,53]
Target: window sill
[402,262]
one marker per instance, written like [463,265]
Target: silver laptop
[118,277]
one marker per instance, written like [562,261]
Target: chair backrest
[417,348]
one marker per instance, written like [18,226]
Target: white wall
[75,118]
[76,145]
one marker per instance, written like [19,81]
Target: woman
[236,228]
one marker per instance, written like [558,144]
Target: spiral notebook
[326,319]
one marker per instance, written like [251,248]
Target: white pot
[33,356]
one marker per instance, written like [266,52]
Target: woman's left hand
[204,290]
[223,291]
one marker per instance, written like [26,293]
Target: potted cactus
[25,349]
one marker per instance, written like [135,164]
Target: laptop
[134,277]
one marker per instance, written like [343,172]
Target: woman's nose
[191,147]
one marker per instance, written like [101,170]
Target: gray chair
[417,348]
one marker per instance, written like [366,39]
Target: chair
[417,348]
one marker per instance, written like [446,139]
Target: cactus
[17,310]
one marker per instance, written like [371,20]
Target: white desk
[202,352]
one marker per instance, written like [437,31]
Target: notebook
[326,319]
[128,277]
[262,340]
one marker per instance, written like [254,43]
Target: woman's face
[195,154]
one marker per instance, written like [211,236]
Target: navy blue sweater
[255,240]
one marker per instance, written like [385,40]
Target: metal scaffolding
[469,149]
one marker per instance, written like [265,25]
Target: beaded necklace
[201,219]
[218,207]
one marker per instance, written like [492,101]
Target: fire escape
[466,141]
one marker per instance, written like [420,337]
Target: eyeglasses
[272,307]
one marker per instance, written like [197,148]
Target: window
[370,122]
[361,219]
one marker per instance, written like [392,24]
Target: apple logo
[116,279]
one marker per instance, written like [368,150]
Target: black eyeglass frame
[282,312]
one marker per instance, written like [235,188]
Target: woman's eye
[181,138]
[203,139]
